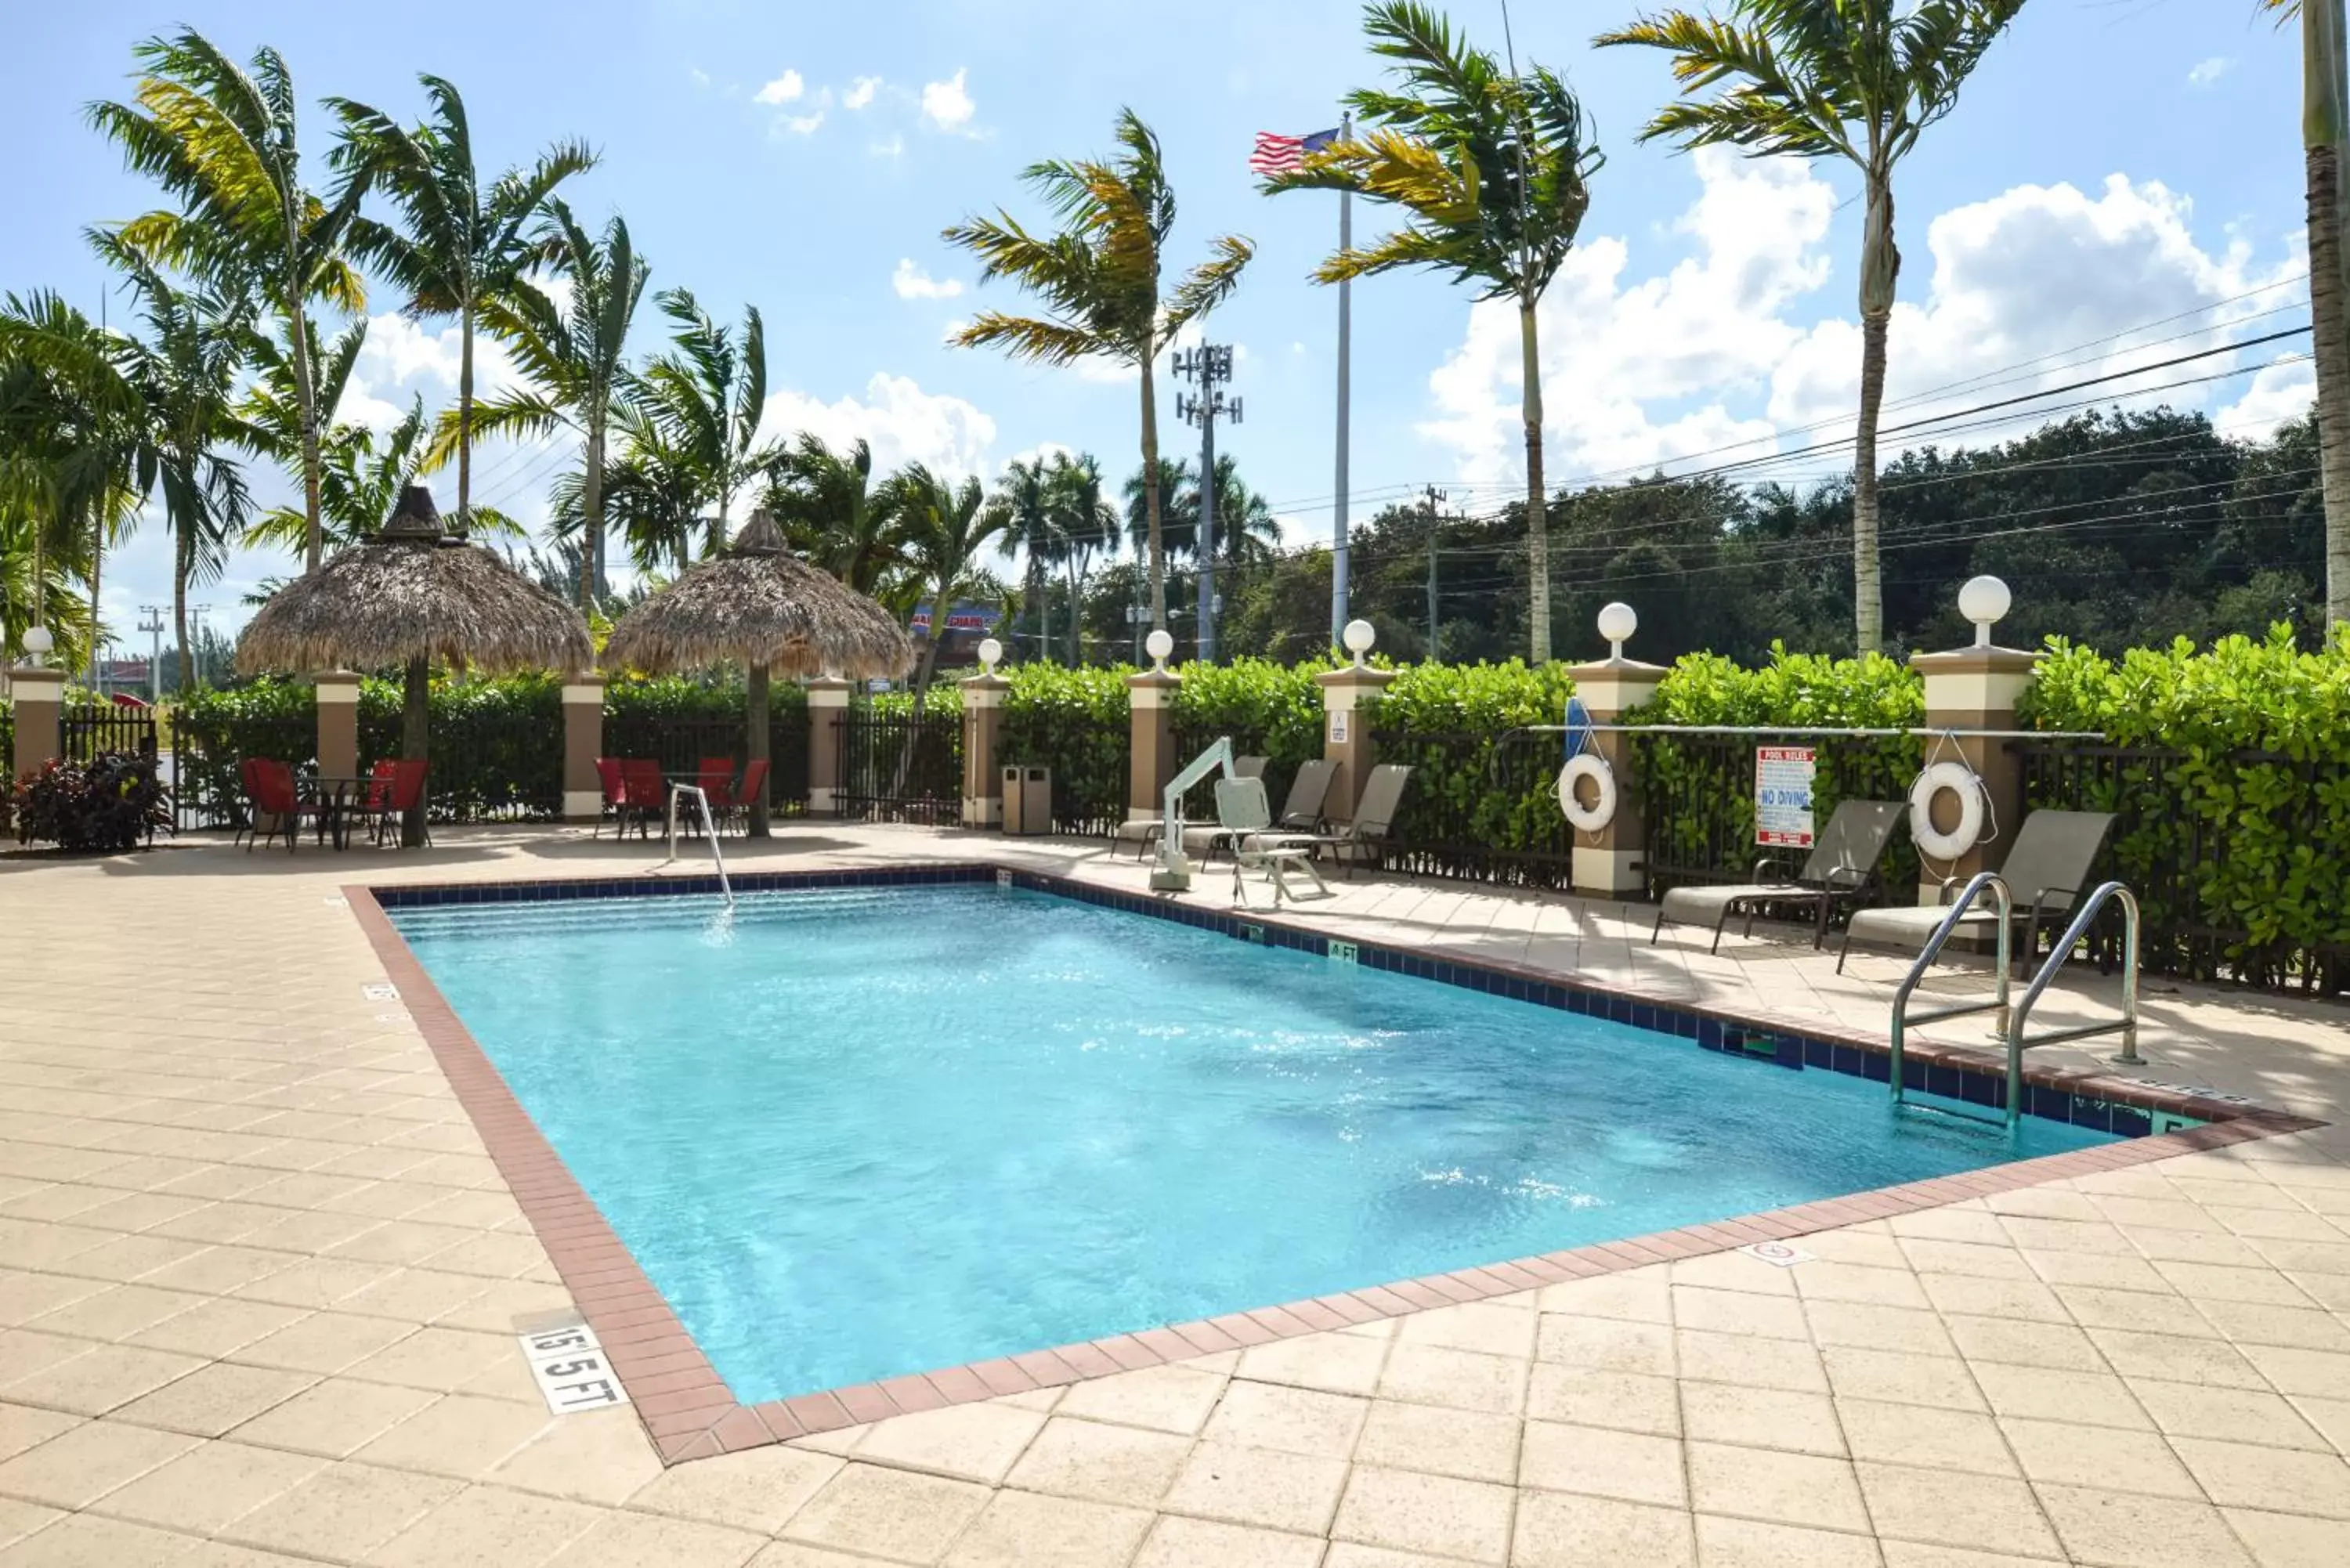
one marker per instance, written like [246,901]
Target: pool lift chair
[1242,811]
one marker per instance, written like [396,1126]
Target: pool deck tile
[247,1152]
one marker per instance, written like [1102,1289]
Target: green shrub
[103,806]
[1075,722]
[1269,709]
[1481,800]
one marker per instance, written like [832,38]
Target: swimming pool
[853,1133]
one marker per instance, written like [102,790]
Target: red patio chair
[270,795]
[716,777]
[407,791]
[648,794]
[616,797]
[748,794]
[374,802]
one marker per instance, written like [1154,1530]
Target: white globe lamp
[991,654]
[1358,635]
[1983,600]
[37,643]
[1158,645]
[1618,622]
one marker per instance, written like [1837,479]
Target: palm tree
[224,141]
[1031,527]
[1086,522]
[705,397]
[1099,279]
[574,354]
[945,526]
[1177,527]
[1494,169]
[185,372]
[1246,534]
[1859,81]
[829,507]
[458,244]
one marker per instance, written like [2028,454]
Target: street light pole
[150,620]
[1207,367]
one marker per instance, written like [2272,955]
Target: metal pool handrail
[709,831]
[1996,884]
[2126,1024]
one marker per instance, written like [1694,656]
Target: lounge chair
[1841,866]
[1146,832]
[2045,870]
[1364,835]
[1244,816]
[647,792]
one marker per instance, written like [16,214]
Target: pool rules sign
[1782,795]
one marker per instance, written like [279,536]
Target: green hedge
[1075,722]
[1479,803]
[1273,710]
[2233,793]
[1698,792]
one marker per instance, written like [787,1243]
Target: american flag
[1278,154]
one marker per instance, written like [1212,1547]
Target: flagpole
[1346,332]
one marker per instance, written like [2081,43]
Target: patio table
[336,799]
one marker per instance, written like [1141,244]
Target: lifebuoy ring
[1602,810]
[1933,841]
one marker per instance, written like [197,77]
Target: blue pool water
[855,1133]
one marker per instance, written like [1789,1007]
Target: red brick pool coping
[691,1413]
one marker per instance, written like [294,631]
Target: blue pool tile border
[2087,1100]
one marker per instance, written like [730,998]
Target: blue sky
[2112,163]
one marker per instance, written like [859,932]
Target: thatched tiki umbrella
[410,597]
[759,606]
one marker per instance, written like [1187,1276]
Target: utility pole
[150,620]
[196,613]
[1431,499]
[1338,588]
[1208,366]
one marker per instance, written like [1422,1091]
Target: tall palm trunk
[591,502]
[2323,124]
[415,742]
[314,545]
[756,723]
[1537,504]
[1077,621]
[96,637]
[1151,485]
[180,571]
[465,416]
[1880,270]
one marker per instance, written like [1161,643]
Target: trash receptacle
[1027,800]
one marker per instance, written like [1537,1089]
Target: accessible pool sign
[1782,795]
[571,1371]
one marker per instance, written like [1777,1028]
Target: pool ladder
[709,831]
[2012,1022]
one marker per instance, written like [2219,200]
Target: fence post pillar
[1977,687]
[1346,730]
[1605,862]
[1151,760]
[983,728]
[40,705]
[583,743]
[338,699]
[827,701]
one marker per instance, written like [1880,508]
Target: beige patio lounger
[2045,870]
[1144,833]
[1842,863]
[1364,836]
[1243,813]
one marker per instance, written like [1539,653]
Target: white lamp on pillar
[1158,645]
[1359,636]
[37,643]
[1983,600]
[1618,622]
[991,654]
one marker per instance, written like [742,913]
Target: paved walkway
[258,1289]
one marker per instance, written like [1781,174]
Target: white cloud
[2206,72]
[952,330]
[904,423]
[803,124]
[1715,349]
[2277,393]
[894,147]
[947,104]
[785,89]
[912,283]
[861,92]
[701,76]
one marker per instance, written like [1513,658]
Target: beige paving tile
[325,1342]
[974,1442]
[2109,1457]
[337,1418]
[1638,1295]
[2280,1480]
[1897,1376]
[1558,1531]
[342,1514]
[208,1486]
[2127,1531]
[1334,1362]
[1294,1420]
[214,1398]
[487,1527]
[1761,1419]
[90,1540]
[1920,1435]
[1751,1544]
[2021,1342]
[1461,1379]
[117,1312]
[1947,1508]
[1472,1444]
[1256,1486]
[1978,1297]
[1612,1343]
[1175,1398]
[18,1520]
[2048,1394]
[1749,1359]
[1023,1530]
[2120,1274]
[2259,1323]
[1760,1483]
[1591,1397]
[83,1463]
[101,1379]
[2176,1359]
[460,1436]
[2321,1373]
[758,1489]
[1102,1463]
[2233,1414]
[649,1541]
[24,1427]
[2217,1282]
[218,1326]
[1482,1326]
[2290,1541]
[1179,1542]
[1632,1466]
[441,1359]
[595,1456]
[1738,1311]
[888,1513]
[1409,1511]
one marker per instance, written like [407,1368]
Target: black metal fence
[1089,756]
[87,731]
[1697,800]
[206,790]
[2238,859]
[898,767]
[679,742]
[1482,806]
